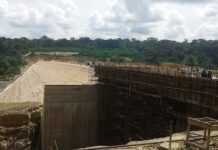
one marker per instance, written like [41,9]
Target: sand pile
[29,87]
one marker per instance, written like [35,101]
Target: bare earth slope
[29,87]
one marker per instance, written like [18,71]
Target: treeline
[197,52]
[10,58]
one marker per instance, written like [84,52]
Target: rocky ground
[19,126]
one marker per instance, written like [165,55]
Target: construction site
[58,105]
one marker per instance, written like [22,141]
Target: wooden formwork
[70,116]
[142,93]
[194,90]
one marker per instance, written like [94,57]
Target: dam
[135,103]
[143,102]
[117,104]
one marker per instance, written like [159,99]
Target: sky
[140,19]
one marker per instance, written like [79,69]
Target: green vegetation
[10,58]
[197,52]
[116,55]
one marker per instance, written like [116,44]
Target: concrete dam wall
[70,116]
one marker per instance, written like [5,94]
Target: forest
[151,51]
[10,58]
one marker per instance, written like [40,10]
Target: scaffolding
[145,81]
[202,140]
[135,90]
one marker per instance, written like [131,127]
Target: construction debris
[18,123]
[14,119]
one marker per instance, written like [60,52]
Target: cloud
[125,19]
[209,27]
[164,19]
[37,18]
[185,1]
[172,26]
[139,19]
[141,29]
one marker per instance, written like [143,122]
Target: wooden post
[56,145]
[187,133]
[208,139]
[171,134]
[170,142]
[205,134]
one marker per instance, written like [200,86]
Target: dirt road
[29,86]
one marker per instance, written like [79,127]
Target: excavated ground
[20,125]
[21,101]
[29,86]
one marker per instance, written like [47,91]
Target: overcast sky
[164,19]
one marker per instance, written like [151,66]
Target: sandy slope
[29,87]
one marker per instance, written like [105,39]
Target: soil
[29,86]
